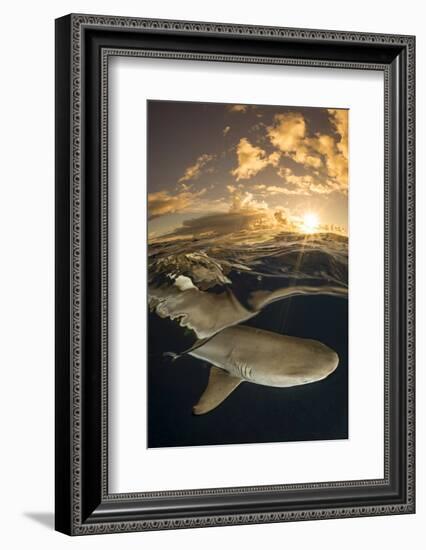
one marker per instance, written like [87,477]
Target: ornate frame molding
[72,46]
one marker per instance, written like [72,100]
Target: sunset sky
[221,168]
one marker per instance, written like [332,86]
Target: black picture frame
[83,46]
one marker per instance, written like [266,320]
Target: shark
[208,313]
[242,353]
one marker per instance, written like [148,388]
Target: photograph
[247,270]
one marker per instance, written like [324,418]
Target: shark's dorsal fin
[220,385]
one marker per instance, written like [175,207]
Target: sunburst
[310,223]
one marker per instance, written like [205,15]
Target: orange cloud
[161,202]
[252,159]
[289,134]
[277,190]
[304,185]
[194,171]
[246,202]
[238,108]
[338,163]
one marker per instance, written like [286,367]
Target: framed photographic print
[234,274]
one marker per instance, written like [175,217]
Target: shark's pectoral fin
[220,385]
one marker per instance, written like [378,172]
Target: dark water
[252,413]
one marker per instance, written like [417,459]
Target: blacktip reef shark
[245,354]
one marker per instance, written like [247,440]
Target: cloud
[252,159]
[322,188]
[193,172]
[325,153]
[337,162]
[245,215]
[245,202]
[276,190]
[340,120]
[162,202]
[244,212]
[238,108]
[226,130]
[218,224]
[304,185]
[283,217]
[289,135]
[288,132]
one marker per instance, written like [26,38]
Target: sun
[310,223]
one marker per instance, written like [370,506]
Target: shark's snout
[331,362]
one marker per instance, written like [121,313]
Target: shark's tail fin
[173,356]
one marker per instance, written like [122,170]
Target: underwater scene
[247,274]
